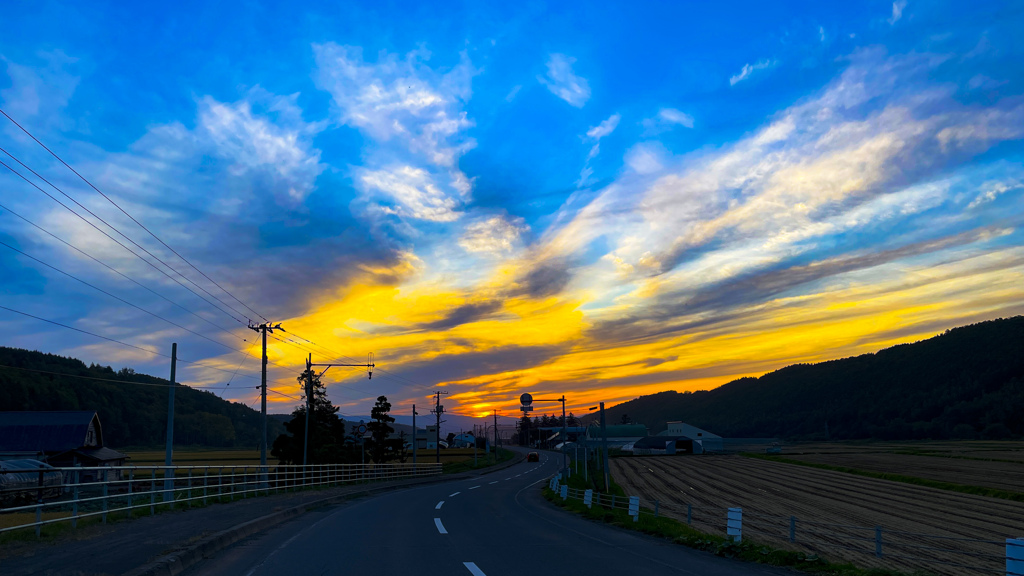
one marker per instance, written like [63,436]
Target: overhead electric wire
[100,192]
[111,379]
[115,340]
[116,271]
[115,240]
[118,298]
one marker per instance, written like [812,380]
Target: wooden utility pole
[263,329]
[438,410]
[169,454]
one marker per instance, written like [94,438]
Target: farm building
[61,439]
[708,442]
[619,435]
[662,444]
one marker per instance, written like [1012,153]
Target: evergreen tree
[326,431]
[379,428]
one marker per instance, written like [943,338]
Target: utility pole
[604,449]
[169,454]
[438,410]
[309,392]
[565,438]
[495,435]
[309,410]
[263,329]
[415,440]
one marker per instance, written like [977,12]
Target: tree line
[967,383]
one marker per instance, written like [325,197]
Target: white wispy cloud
[563,82]
[666,119]
[897,10]
[414,190]
[414,119]
[595,134]
[749,69]
[39,92]
[495,236]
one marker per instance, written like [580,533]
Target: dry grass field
[829,507]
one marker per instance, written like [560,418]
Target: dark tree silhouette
[326,431]
[380,428]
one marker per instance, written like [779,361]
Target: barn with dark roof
[66,438]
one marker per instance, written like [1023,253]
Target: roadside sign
[526,408]
[526,399]
[362,429]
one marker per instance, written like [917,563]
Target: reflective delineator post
[1015,557]
[634,508]
[734,524]
[588,498]
[565,491]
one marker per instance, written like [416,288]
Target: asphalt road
[494,525]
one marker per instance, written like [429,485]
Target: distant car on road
[533,457]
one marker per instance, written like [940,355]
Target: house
[61,439]
[703,441]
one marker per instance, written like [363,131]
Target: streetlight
[604,445]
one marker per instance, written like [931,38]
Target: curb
[177,562]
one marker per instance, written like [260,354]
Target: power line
[116,271]
[118,242]
[97,288]
[108,379]
[123,211]
[115,340]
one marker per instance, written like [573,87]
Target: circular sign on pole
[362,429]
[526,399]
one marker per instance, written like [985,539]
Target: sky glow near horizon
[602,202]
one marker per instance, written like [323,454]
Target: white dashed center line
[509,478]
[474,487]
[495,482]
[473,569]
[454,494]
[440,527]
[439,504]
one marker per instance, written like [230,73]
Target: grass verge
[952,487]
[684,535]
[483,461]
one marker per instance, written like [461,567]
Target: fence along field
[835,512]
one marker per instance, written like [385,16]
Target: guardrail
[87,492]
[946,554]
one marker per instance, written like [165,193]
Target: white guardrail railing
[927,551]
[36,498]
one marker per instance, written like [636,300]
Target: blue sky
[602,199]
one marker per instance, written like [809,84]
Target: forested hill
[131,414]
[965,383]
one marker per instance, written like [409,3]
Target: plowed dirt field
[835,513]
[987,473]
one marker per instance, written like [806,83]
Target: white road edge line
[473,569]
[454,494]
[439,504]
[440,527]
[474,487]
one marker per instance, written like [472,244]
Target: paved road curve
[494,525]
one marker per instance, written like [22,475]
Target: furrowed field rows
[990,474]
[771,492]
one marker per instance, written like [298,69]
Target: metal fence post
[189,487]
[39,504]
[152,492]
[206,481]
[131,500]
[878,541]
[105,492]
[792,528]
[74,507]
[232,491]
